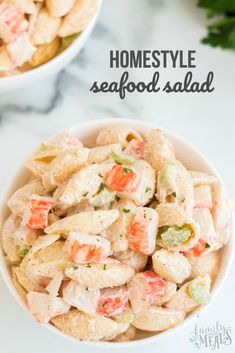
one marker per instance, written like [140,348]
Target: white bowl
[193,159]
[53,66]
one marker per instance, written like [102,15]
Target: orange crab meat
[143,231]
[136,148]
[198,249]
[12,22]
[122,179]
[86,248]
[145,289]
[113,301]
[155,286]
[36,215]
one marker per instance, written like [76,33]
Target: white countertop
[206,120]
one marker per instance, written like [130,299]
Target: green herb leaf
[147,189]
[101,188]
[75,268]
[207,245]
[105,267]
[23,251]
[126,210]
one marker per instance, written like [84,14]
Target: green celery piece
[175,235]
[23,251]
[104,197]
[122,158]
[199,293]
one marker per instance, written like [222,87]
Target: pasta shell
[117,134]
[10,248]
[146,188]
[20,290]
[78,18]
[186,245]
[19,200]
[45,28]
[118,231]
[59,8]
[65,164]
[158,149]
[93,222]
[85,327]
[175,185]
[133,259]
[101,153]
[171,266]
[107,274]
[157,319]
[170,214]
[206,264]
[26,6]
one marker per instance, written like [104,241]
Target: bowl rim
[57,60]
[95,125]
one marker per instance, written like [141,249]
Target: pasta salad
[116,241]
[34,32]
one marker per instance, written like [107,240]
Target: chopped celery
[122,158]
[199,292]
[175,235]
[167,175]
[104,197]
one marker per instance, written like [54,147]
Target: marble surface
[207,120]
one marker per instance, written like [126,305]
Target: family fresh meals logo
[157,61]
[212,337]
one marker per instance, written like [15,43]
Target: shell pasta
[116,241]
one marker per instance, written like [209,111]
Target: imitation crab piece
[136,148]
[145,288]
[85,248]
[44,307]
[12,22]
[203,196]
[82,298]
[112,301]
[143,231]
[203,217]
[36,214]
[222,208]
[21,50]
[122,180]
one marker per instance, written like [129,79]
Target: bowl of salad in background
[186,154]
[39,38]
